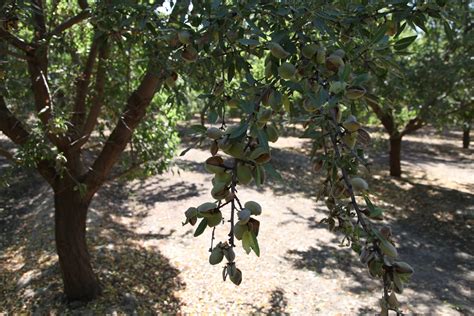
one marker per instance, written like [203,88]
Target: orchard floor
[149,262]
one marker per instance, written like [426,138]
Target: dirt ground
[148,262]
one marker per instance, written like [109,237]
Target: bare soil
[149,262]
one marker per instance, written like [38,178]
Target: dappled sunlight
[31,277]
[147,261]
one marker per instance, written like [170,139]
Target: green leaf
[323,97]
[258,175]
[239,131]
[448,30]
[375,212]
[196,129]
[345,72]
[247,241]
[262,139]
[404,42]
[212,116]
[248,41]
[419,20]
[360,79]
[254,244]
[272,172]
[380,33]
[311,133]
[247,106]
[201,227]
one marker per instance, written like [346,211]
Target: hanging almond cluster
[244,163]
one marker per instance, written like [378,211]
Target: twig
[233,191]
[212,238]
[346,177]
[69,23]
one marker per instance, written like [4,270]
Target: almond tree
[314,54]
[431,85]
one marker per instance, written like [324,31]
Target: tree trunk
[80,282]
[395,159]
[466,137]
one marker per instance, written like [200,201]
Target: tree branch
[83,87]
[83,4]
[14,54]
[129,119]
[14,129]
[43,100]
[41,92]
[5,153]
[11,126]
[412,125]
[98,98]
[83,15]
[385,117]
[38,19]
[15,41]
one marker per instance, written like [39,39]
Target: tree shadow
[135,279]
[418,151]
[277,304]
[334,262]
[432,227]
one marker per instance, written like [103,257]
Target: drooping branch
[83,15]
[120,136]
[345,176]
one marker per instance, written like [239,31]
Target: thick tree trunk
[466,137]
[80,282]
[395,153]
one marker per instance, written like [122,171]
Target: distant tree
[317,58]
[433,84]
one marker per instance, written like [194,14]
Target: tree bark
[395,156]
[466,137]
[80,281]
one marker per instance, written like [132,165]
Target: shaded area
[277,304]
[135,279]
[333,260]
[433,229]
